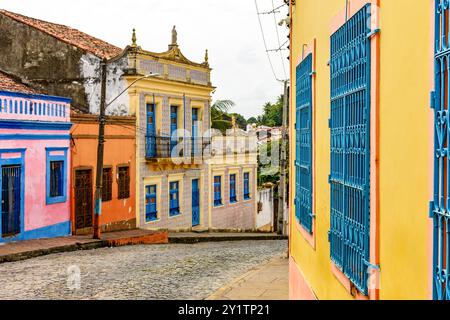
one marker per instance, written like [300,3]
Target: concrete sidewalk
[265,282]
[23,250]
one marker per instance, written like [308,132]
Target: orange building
[119,173]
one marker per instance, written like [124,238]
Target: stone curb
[192,240]
[157,238]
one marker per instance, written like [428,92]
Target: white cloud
[229,29]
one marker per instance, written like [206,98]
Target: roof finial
[174,36]
[134,39]
[206,57]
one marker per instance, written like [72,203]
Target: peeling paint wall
[90,70]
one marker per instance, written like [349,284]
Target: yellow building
[362,169]
[176,176]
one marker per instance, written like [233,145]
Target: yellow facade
[176,85]
[186,85]
[402,150]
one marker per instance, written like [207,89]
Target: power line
[279,42]
[274,10]
[265,42]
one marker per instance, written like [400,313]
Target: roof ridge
[69,35]
[24,16]
[13,83]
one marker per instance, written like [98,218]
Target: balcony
[32,107]
[167,148]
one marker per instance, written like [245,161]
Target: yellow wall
[405,146]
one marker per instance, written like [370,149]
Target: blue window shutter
[440,205]
[233,198]
[173,127]
[217,191]
[303,152]
[151,131]
[174,195]
[56,176]
[350,148]
[246,186]
[151,211]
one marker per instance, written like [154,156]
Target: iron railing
[160,147]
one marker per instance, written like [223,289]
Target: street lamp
[101,144]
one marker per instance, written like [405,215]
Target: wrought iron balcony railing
[160,147]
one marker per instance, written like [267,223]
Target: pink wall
[37,213]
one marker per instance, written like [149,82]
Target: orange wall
[120,149]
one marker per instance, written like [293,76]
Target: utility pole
[100,151]
[283,162]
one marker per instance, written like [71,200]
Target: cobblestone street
[174,271]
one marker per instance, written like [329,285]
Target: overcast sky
[228,28]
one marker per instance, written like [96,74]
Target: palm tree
[219,115]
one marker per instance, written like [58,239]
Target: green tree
[273,114]
[219,115]
[252,120]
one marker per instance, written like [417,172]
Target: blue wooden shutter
[246,186]
[350,148]
[151,130]
[440,206]
[303,129]
[150,204]
[173,127]
[174,198]
[233,197]
[217,191]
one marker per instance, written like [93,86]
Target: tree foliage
[273,114]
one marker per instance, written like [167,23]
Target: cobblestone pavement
[174,271]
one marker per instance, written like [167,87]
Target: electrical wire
[265,42]
[279,42]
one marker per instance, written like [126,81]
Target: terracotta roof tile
[69,35]
[8,83]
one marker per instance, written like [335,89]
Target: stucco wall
[119,150]
[404,145]
[240,215]
[265,217]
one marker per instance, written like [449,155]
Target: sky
[229,29]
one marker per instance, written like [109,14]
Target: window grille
[124,182]
[107,184]
[440,206]
[303,129]
[350,148]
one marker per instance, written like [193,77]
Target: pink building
[34,163]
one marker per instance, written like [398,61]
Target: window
[107,184]
[233,198]
[303,136]
[124,182]
[350,148]
[247,186]
[56,175]
[217,191]
[174,198]
[151,212]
